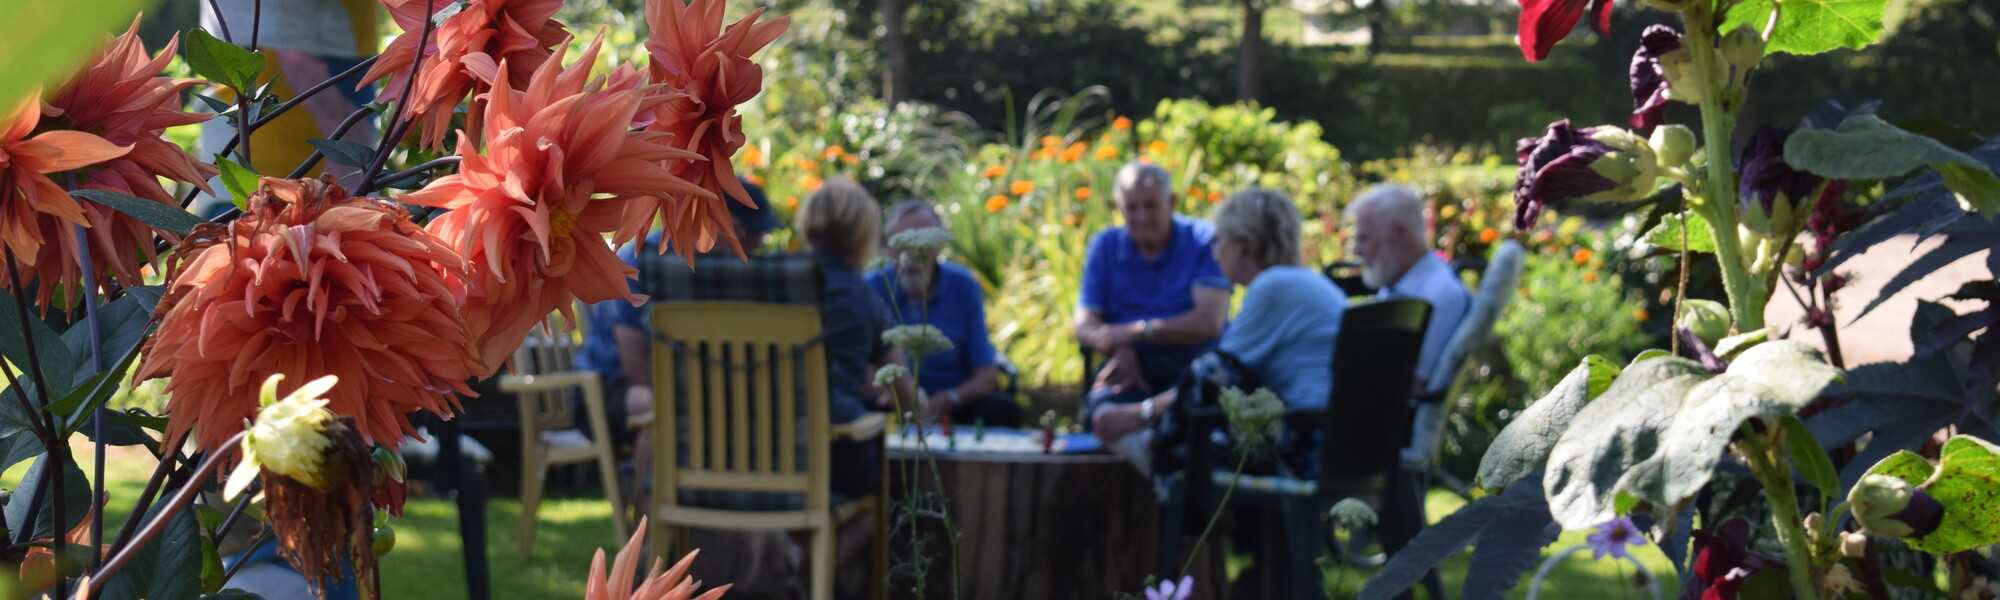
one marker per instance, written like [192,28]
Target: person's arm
[1119,420]
[983,381]
[1199,325]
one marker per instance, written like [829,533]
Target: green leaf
[211,567]
[168,568]
[1522,447]
[1649,354]
[240,180]
[165,217]
[222,62]
[1586,464]
[58,366]
[1967,483]
[1667,235]
[1866,147]
[1812,26]
[76,499]
[1810,458]
[1775,379]
[1729,347]
[46,41]
[1511,527]
[343,152]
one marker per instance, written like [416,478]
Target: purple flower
[1597,163]
[1766,177]
[1649,77]
[1172,590]
[1722,562]
[1613,536]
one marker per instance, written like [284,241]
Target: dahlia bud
[288,437]
[385,540]
[1708,319]
[1672,145]
[1888,506]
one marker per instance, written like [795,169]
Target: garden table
[1031,525]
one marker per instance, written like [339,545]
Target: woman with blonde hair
[841,223]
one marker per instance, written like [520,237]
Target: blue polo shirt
[1124,286]
[599,351]
[958,308]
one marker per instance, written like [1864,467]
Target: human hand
[1121,371]
[638,400]
[936,404]
[1114,422]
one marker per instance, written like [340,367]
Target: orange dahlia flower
[707,71]
[674,584]
[121,97]
[308,283]
[534,196]
[464,55]
[36,214]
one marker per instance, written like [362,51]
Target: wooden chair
[742,429]
[542,377]
[1361,433]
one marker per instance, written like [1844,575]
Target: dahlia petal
[62,150]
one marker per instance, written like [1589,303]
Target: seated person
[1285,331]
[840,223]
[1389,237]
[920,288]
[1152,297]
[616,344]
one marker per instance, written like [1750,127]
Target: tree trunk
[1250,53]
[1378,24]
[895,57]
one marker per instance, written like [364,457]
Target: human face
[1374,243]
[1149,216]
[1235,263]
[913,268]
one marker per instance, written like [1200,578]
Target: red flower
[36,214]
[309,282]
[705,74]
[534,196]
[121,97]
[464,55]
[1545,22]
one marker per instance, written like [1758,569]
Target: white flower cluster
[1352,513]
[1252,414]
[921,240]
[889,374]
[920,340]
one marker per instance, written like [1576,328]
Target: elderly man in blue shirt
[1153,297]
[1390,239]
[920,288]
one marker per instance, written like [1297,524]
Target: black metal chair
[1361,433]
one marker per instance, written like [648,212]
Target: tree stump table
[1030,525]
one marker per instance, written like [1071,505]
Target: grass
[427,561]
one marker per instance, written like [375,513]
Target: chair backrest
[548,349]
[746,383]
[1497,285]
[1374,361]
[792,279]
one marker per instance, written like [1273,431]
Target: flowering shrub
[340,301]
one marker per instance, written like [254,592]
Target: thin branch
[220,20]
[159,521]
[96,365]
[170,453]
[229,522]
[263,535]
[256,21]
[432,164]
[402,105]
[312,91]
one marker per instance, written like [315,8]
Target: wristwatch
[1147,329]
[951,396]
[1146,410]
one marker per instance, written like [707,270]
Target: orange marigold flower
[791,202]
[36,214]
[705,71]
[1582,255]
[1487,235]
[1145,160]
[119,96]
[996,203]
[1050,141]
[812,183]
[1073,153]
[1121,124]
[463,56]
[1021,187]
[557,168]
[1083,193]
[1214,197]
[1590,277]
[752,156]
[1042,154]
[1073,219]
[833,152]
[1156,147]
[754,178]
[1106,152]
[1642,315]
[674,584]
[850,158]
[994,171]
[308,283]
[806,164]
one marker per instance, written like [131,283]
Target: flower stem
[1746,298]
[1768,464]
[1242,459]
[167,511]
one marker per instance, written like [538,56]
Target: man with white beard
[1391,239]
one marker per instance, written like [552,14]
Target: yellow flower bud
[288,437]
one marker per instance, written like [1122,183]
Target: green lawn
[427,561]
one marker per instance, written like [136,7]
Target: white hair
[1264,221]
[1393,204]
[1136,176]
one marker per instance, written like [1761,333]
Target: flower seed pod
[1743,48]
[1888,506]
[1708,319]
[1672,145]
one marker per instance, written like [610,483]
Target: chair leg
[822,561]
[1301,537]
[607,467]
[660,545]
[881,586]
[1175,514]
[534,474]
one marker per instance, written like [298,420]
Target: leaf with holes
[1587,463]
[1966,481]
[1667,235]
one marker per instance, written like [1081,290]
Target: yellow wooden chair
[742,430]
[542,376]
